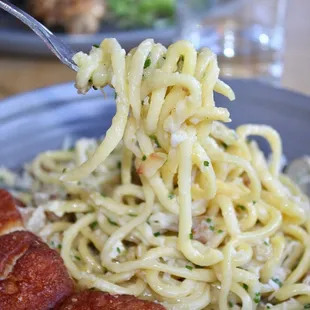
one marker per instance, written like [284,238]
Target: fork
[62,51]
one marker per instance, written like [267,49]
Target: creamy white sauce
[37,220]
[117,249]
[178,137]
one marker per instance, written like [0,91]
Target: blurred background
[261,39]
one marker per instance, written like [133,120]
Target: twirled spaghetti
[172,205]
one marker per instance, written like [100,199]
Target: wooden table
[20,74]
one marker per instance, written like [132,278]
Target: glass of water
[247,35]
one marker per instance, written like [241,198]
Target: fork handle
[60,49]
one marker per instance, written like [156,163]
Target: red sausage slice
[95,300]
[32,276]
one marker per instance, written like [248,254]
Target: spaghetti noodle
[172,205]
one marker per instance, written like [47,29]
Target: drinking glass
[247,35]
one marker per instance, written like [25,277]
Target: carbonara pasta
[172,205]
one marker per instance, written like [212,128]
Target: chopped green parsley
[241,207]
[256,298]
[154,138]
[171,196]
[132,214]
[276,280]
[147,63]
[93,225]
[112,222]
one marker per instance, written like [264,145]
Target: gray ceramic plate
[27,43]
[40,120]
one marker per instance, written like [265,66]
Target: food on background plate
[86,16]
[75,16]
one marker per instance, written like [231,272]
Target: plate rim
[44,100]
[14,105]
[73,91]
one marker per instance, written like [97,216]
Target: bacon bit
[140,169]
[53,197]
[200,229]
[186,91]
[52,216]
[45,169]
[19,203]
[206,231]
[155,156]
[246,180]
[152,164]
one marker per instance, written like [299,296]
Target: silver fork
[62,51]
